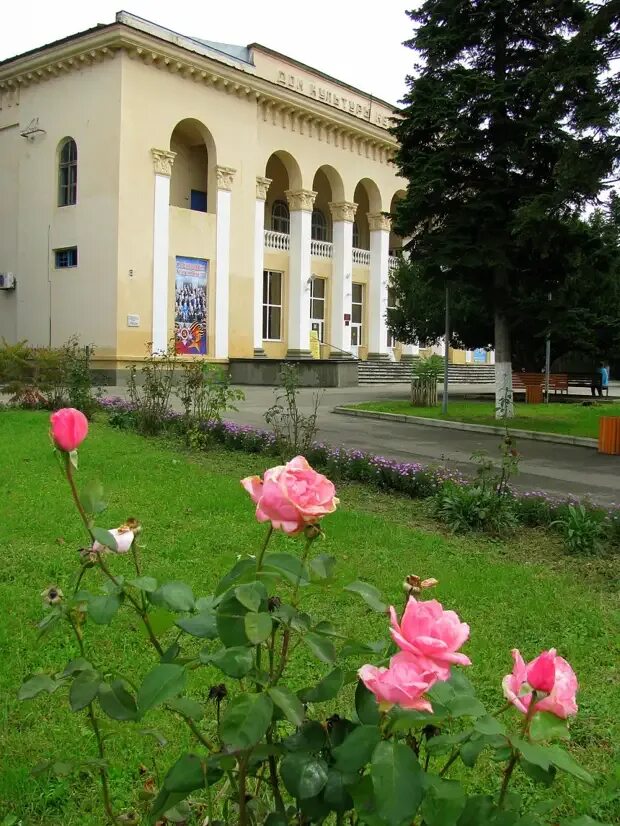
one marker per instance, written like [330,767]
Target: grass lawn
[521,593]
[569,419]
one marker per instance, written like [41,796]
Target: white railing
[361,257]
[393,262]
[277,240]
[321,249]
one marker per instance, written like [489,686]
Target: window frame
[355,238]
[359,304]
[319,230]
[391,340]
[268,305]
[67,173]
[65,251]
[323,301]
[285,218]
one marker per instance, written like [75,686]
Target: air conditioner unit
[7,281]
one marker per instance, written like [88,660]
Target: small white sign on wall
[133,320]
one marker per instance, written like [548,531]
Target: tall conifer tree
[506,131]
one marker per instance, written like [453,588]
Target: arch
[329,188]
[293,171]
[285,174]
[67,172]
[334,180]
[193,181]
[372,193]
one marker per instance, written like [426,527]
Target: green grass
[522,593]
[570,419]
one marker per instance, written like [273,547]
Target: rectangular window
[67,257]
[198,200]
[272,305]
[317,299]
[391,305]
[357,302]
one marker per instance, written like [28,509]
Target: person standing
[600,381]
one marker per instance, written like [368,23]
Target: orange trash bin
[533,394]
[609,435]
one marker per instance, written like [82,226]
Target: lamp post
[446,353]
[547,359]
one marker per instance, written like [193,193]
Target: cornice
[277,103]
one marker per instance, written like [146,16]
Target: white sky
[357,41]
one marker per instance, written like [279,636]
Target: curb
[533,435]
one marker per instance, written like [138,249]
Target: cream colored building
[127,149]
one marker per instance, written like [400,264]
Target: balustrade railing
[361,257]
[321,249]
[277,240]
[393,262]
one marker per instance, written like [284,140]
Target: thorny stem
[273,777]
[457,750]
[78,633]
[259,558]
[196,732]
[103,772]
[242,774]
[515,754]
[76,497]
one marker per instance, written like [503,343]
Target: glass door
[357,315]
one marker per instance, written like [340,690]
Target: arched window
[280,217]
[356,235]
[318,230]
[67,173]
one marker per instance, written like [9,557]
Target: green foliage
[205,392]
[582,530]
[293,430]
[466,508]
[150,388]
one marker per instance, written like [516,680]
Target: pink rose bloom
[404,683]
[291,496]
[431,635]
[68,428]
[561,699]
[123,536]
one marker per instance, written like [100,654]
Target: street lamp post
[446,353]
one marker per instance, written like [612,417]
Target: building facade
[157,187]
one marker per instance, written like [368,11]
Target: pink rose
[123,536]
[431,635]
[68,428]
[561,692]
[291,496]
[403,683]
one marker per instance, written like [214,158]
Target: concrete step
[394,372]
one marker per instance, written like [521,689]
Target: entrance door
[318,326]
[356,339]
[357,315]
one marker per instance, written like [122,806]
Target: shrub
[294,432]
[465,508]
[582,529]
[425,374]
[150,387]
[205,393]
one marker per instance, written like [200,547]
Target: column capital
[225,176]
[379,220]
[262,185]
[162,161]
[300,199]
[342,210]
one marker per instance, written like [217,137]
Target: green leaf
[304,775]
[161,620]
[83,690]
[444,802]
[240,569]
[75,666]
[287,566]
[37,685]
[102,609]
[235,661]
[310,737]
[398,782]
[326,689]
[584,820]
[117,702]
[365,804]
[322,648]
[328,629]
[162,682]
[91,497]
[257,627]
[104,538]
[201,625]
[186,775]
[536,773]
[276,819]
[289,703]
[538,755]
[546,726]
[188,707]
[246,720]
[371,595]
[562,760]
[336,793]
[251,595]
[230,620]
[471,750]
[489,725]
[176,596]
[357,749]
[366,705]
[465,706]
[322,567]
[445,742]
[144,583]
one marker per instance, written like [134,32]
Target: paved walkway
[557,469]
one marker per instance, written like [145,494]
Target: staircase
[397,372]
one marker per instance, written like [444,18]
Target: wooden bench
[532,383]
[586,380]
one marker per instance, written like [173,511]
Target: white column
[262,185]
[379,225]
[343,214]
[225,177]
[299,273]
[162,163]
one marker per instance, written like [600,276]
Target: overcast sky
[356,41]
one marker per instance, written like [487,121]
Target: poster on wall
[190,306]
[480,356]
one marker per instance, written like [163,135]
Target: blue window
[67,257]
[198,200]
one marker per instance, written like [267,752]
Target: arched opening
[361,233]
[396,241]
[192,182]
[285,175]
[67,172]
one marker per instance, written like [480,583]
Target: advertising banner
[190,306]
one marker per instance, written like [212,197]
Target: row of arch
[193,186]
